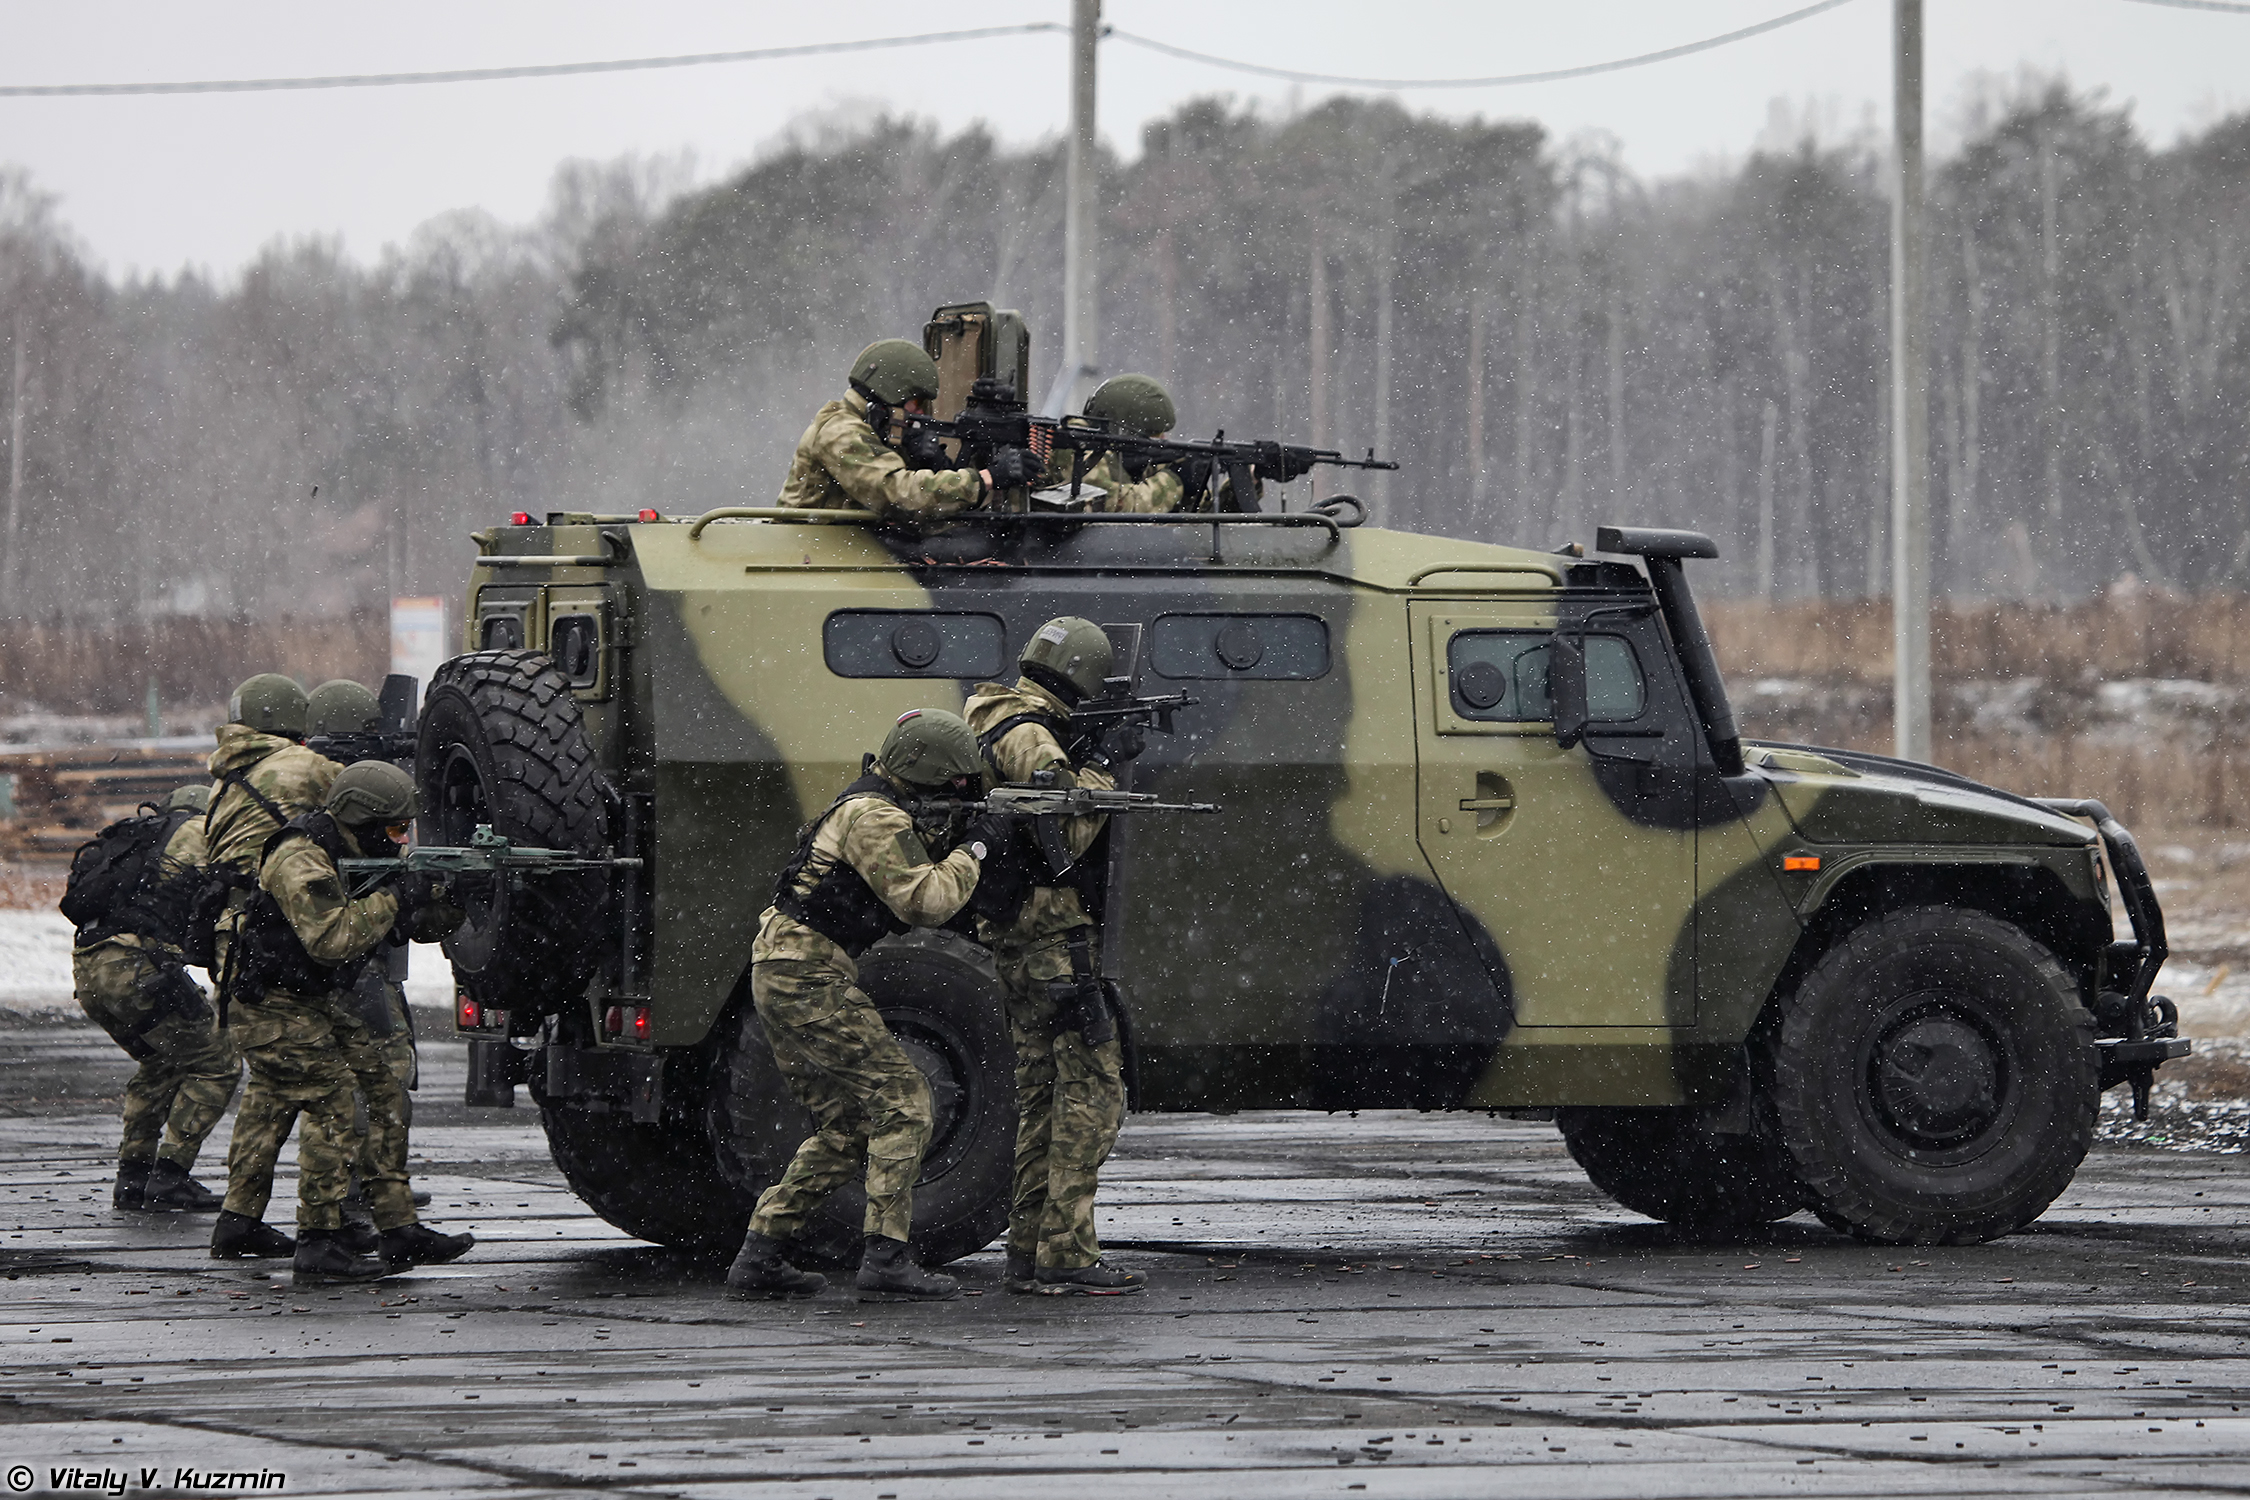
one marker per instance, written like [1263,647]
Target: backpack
[117,868]
[213,890]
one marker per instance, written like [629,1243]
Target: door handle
[1487,804]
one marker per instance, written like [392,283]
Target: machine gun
[1045,804]
[995,418]
[486,854]
[1120,707]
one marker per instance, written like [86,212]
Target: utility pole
[15,476]
[1081,257]
[1910,404]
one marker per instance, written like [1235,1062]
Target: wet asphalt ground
[1388,1305]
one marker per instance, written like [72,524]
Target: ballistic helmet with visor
[1076,652]
[1134,404]
[271,704]
[929,747]
[894,372]
[373,793]
[342,706]
[194,797]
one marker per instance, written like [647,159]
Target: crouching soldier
[129,893]
[861,872]
[298,950]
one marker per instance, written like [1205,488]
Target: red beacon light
[648,514]
[520,518]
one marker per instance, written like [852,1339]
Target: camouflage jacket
[879,841]
[842,465]
[1159,489]
[1016,756]
[284,772]
[306,885]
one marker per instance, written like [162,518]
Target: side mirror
[1566,686]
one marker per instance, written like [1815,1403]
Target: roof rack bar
[1548,571]
[1291,519]
[781,513]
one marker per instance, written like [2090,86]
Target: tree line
[1541,339]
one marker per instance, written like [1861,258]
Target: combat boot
[1101,1279]
[887,1269]
[131,1191]
[1019,1274]
[170,1188]
[240,1237]
[420,1245]
[322,1258]
[760,1271]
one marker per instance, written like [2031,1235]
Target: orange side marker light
[1809,863]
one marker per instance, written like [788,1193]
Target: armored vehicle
[1489,841]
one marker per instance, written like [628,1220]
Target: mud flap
[606,1081]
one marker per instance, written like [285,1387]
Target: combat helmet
[1069,657]
[342,706]
[271,704]
[194,797]
[894,372]
[929,748]
[373,793]
[1134,404]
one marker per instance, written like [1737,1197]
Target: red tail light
[640,1023]
[471,1013]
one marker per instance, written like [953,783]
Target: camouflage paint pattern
[1603,930]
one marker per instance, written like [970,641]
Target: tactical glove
[992,831]
[923,449]
[1016,469]
[1135,465]
[1118,743]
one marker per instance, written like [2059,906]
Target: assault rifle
[1046,805]
[1120,707]
[996,418]
[487,853]
[394,741]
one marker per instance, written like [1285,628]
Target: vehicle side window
[1262,648]
[914,643]
[1500,676]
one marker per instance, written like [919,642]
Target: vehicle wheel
[653,1181]
[502,743]
[1670,1164]
[943,1004]
[1934,1079]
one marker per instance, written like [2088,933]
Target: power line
[979,33]
[1291,75]
[2233,7]
[536,70]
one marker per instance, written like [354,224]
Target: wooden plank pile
[63,796]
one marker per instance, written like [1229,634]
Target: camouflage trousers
[870,1104]
[188,1068]
[383,1067]
[297,1048]
[1070,1104]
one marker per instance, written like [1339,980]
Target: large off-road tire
[943,1004]
[1934,1079]
[654,1181]
[1672,1165]
[502,743]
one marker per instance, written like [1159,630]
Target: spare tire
[503,744]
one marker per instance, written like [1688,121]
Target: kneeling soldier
[861,872]
[299,947]
[1070,1084]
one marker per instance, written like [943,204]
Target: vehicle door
[1578,862]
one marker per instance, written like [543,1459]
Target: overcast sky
[157,183]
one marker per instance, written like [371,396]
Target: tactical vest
[989,741]
[839,905]
[268,952]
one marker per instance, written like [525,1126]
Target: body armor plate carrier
[839,905]
[268,954]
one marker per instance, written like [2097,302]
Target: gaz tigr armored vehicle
[1489,841]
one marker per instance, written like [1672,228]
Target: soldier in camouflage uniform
[1070,1089]
[843,464]
[131,981]
[381,1052]
[1138,405]
[861,872]
[297,949]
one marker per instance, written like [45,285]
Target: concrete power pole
[1081,255]
[1910,403]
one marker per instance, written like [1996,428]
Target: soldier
[841,463]
[1138,405]
[1070,1089]
[266,776]
[380,1053]
[132,981]
[297,949]
[861,871]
